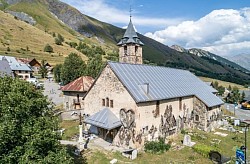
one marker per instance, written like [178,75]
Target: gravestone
[134,154]
[187,141]
[113,161]
[236,122]
[225,122]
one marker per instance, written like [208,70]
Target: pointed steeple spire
[130,46]
[130,32]
[130,36]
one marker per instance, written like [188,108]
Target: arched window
[125,51]
[103,102]
[197,117]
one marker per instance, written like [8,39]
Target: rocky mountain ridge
[196,61]
[241,59]
[207,54]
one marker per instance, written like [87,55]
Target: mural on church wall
[199,113]
[187,117]
[127,134]
[168,122]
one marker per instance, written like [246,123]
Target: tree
[48,48]
[221,90]
[229,88]
[27,126]
[234,96]
[57,72]
[73,67]
[94,66]
[53,34]
[60,37]
[58,42]
[243,96]
[43,70]
[215,84]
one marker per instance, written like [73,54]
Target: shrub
[48,48]
[156,146]
[8,49]
[73,44]
[183,131]
[58,42]
[203,149]
[60,37]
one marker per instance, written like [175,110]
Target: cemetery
[192,145]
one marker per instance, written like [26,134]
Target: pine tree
[43,70]
[73,67]
[48,48]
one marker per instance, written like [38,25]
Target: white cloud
[223,32]
[102,10]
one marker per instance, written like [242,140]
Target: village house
[74,92]
[33,64]
[20,70]
[130,103]
[5,69]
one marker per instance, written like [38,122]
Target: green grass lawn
[71,129]
[227,147]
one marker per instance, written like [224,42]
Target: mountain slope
[46,12]
[20,39]
[241,59]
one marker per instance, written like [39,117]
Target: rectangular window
[103,102]
[125,51]
[136,49]
[111,103]
[180,103]
[20,71]
[157,110]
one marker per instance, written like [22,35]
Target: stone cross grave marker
[187,141]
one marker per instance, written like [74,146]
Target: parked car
[245,105]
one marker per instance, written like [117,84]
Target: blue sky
[219,26]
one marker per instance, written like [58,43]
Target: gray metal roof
[104,119]
[5,69]
[130,36]
[15,65]
[163,83]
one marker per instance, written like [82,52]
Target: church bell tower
[130,46]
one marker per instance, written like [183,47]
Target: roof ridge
[148,65]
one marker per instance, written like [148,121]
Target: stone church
[130,103]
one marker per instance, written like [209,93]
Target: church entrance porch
[105,124]
[107,135]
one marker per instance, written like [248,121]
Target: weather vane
[130,12]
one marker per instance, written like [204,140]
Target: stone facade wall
[70,97]
[108,87]
[148,120]
[133,55]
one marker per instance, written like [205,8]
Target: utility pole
[247,123]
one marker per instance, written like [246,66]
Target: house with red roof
[75,91]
